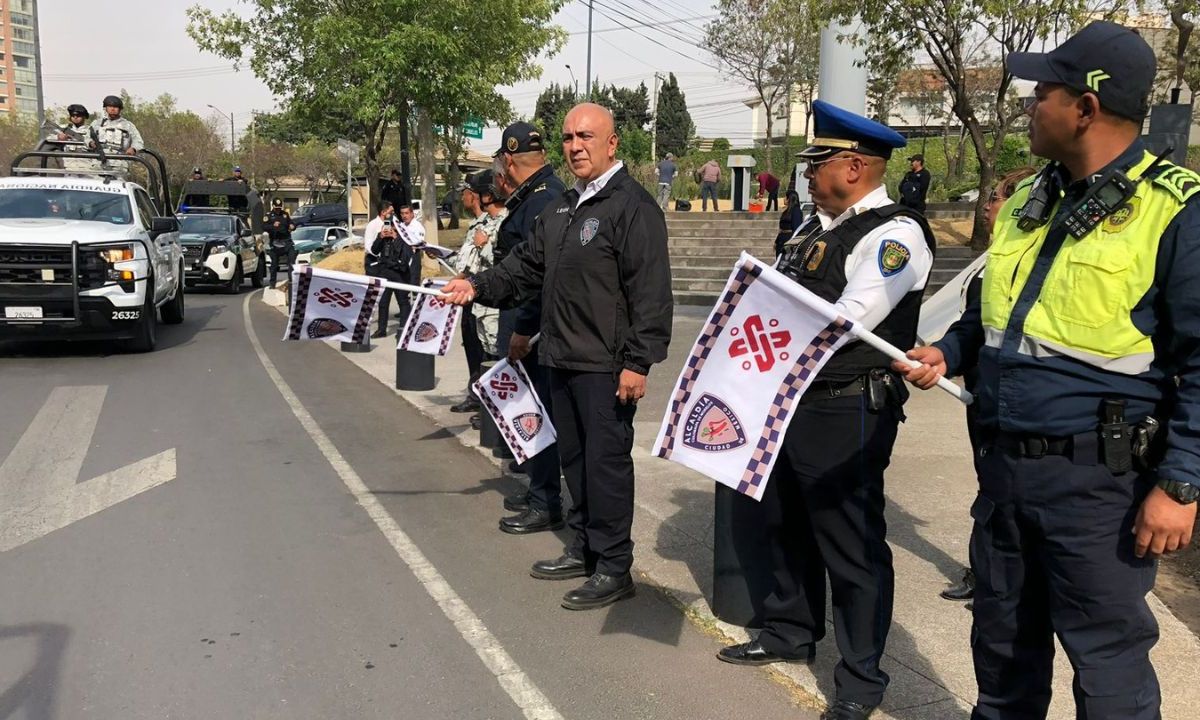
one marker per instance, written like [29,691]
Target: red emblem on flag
[335,296]
[426,332]
[759,342]
[528,425]
[712,427]
[325,327]
[503,386]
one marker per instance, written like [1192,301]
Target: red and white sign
[508,396]
[764,343]
[430,326]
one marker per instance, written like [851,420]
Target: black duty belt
[829,389]
[1034,446]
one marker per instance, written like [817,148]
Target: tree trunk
[454,148]
[770,127]
[426,141]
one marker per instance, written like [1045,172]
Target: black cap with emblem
[520,137]
[1108,60]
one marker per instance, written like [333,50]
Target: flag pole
[366,280]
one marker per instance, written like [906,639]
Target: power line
[644,24]
[673,36]
[647,37]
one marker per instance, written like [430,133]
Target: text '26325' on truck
[86,252]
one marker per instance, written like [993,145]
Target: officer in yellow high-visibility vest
[1087,341]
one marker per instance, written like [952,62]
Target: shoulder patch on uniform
[893,256]
[1180,182]
[539,188]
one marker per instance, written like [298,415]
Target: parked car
[968,196]
[320,214]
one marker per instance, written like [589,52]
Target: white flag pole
[826,309]
[366,279]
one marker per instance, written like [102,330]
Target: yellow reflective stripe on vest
[1084,308]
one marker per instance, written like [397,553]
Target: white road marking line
[514,681]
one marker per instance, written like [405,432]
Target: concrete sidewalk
[930,487]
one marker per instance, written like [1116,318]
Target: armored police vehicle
[220,228]
[86,253]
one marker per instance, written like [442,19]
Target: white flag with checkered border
[508,396]
[331,306]
[431,323]
[762,346]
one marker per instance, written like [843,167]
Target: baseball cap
[195,171]
[1108,60]
[520,137]
[918,157]
[836,129]
[483,182]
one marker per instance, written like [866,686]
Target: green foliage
[18,134]
[635,146]
[675,126]
[552,105]
[365,61]
[721,145]
[183,138]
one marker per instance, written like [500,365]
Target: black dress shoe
[563,567]
[846,710]
[599,591]
[752,653]
[531,521]
[476,421]
[964,590]
[378,334]
[469,404]
[517,503]
[515,467]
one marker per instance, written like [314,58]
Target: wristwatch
[1181,492]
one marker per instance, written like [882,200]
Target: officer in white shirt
[870,257]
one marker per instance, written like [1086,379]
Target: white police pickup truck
[87,256]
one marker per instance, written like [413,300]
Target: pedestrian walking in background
[710,175]
[665,170]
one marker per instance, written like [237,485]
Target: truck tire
[235,283]
[259,278]
[172,311]
[147,331]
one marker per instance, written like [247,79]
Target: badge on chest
[591,227]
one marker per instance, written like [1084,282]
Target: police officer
[870,257]
[521,159]
[279,232]
[117,134]
[198,200]
[598,258]
[1086,335]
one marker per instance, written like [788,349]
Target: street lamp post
[232,141]
[573,80]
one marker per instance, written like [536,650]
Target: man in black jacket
[521,161]
[598,259]
[915,185]
[395,190]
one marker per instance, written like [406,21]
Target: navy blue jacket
[541,189]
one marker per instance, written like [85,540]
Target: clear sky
[154,55]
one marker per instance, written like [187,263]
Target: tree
[763,43]
[552,101]
[957,35]
[183,138]
[18,134]
[674,126]
[367,60]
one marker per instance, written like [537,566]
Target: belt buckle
[1036,447]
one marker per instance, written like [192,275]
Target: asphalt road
[243,578]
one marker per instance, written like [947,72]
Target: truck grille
[50,266]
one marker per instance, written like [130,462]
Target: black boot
[563,567]
[846,710]
[599,591]
[531,521]
[470,403]
[964,590]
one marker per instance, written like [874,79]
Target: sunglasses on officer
[812,166]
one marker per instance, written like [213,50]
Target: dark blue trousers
[1053,555]
[826,517]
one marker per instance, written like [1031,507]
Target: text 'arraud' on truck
[89,248]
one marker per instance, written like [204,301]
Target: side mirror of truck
[160,225]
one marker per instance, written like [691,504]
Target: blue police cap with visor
[836,130]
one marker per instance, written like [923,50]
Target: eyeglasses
[814,165]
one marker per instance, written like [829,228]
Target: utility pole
[654,121]
[588,80]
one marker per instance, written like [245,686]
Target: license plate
[23,313]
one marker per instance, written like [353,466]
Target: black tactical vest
[818,263]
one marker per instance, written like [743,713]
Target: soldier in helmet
[74,138]
[117,134]
[279,229]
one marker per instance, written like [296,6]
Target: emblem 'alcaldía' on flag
[328,305]
[508,396]
[763,344]
[430,326]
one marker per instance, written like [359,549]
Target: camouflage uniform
[473,259]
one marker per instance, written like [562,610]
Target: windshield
[308,233]
[205,225]
[38,203]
